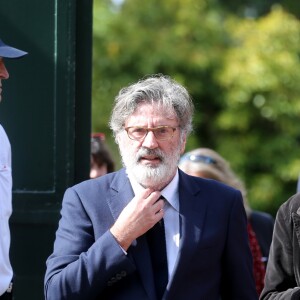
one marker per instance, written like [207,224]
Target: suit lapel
[121,194]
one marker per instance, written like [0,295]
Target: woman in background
[101,159]
[207,163]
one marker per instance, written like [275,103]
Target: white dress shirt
[6,272]
[171,218]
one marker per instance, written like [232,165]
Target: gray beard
[148,176]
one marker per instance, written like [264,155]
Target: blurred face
[151,161]
[3,75]
[96,170]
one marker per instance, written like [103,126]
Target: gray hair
[158,89]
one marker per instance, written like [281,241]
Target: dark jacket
[263,225]
[282,280]
[214,259]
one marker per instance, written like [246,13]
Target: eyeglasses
[161,133]
[199,158]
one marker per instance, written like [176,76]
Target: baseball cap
[10,52]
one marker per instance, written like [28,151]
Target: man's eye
[138,131]
[162,130]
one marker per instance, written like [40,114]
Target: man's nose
[3,71]
[150,141]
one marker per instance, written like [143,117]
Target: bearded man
[150,231]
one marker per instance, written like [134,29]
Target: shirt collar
[170,192]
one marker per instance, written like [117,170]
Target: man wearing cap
[6,272]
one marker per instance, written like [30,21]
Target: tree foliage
[260,79]
[242,73]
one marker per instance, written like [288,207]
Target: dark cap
[10,52]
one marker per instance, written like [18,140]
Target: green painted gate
[46,113]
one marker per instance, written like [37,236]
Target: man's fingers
[147,197]
[154,197]
[158,205]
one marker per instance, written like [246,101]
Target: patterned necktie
[157,247]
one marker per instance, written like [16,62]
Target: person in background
[150,231]
[101,159]
[282,279]
[207,163]
[6,271]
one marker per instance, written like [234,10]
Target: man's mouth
[150,159]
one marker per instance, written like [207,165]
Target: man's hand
[141,214]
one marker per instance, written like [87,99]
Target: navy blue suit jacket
[214,260]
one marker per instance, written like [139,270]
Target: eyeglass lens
[160,133]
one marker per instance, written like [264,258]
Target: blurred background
[240,62]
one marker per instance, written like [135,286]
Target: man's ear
[183,144]
[118,138]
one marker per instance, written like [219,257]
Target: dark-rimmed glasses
[199,158]
[161,133]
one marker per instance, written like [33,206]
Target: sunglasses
[198,158]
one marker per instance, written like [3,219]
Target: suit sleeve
[80,267]
[238,280]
